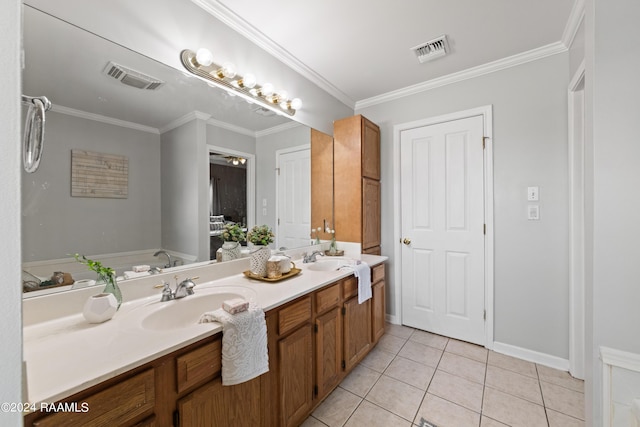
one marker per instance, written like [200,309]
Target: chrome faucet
[311,258]
[183,289]
[163,252]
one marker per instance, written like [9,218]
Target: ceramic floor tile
[391,343]
[427,338]
[360,380]
[556,419]
[313,422]
[457,390]
[397,397]
[466,349]
[446,414]
[488,422]
[337,407]
[564,400]
[410,372]
[463,367]
[513,383]
[398,330]
[512,410]
[512,364]
[370,415]
[561,378]
[378,359]
[421,353]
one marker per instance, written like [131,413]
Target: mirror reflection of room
[227,196]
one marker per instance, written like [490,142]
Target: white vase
[230,251]
[259,256]
[100,308]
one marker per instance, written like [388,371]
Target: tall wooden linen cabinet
[356,174]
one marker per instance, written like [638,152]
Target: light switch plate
[533,194]
[533,212]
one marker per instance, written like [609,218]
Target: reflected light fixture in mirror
[236,160]
[224,76]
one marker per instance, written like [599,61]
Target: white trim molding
[470,73]
[573,23]
[276,129]
[612,358]
[103,119]
[532,356]
[487,114]
[184,120]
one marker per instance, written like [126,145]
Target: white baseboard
[532,356]
[392,319]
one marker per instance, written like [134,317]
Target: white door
[442,194]
[293,223]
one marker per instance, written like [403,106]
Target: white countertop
[66,355]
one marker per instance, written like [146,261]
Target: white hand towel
[134,274]
[363,273]
[244,343]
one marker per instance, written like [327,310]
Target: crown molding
[232,128]
[470,73]
[277,129]
[573,23]
[241,26]
[103,119]
[184,120]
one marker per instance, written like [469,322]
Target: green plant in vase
[232,236]
[105,274]
[261,235]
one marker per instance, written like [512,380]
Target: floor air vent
[131,77]
[431,50]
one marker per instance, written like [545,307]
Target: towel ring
[33,141]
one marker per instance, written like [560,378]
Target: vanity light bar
[224,78]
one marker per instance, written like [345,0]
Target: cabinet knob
[406,241]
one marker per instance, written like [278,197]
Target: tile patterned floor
[412,374]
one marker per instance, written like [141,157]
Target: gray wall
[613,174]
[11,301]
[54,224]
[266,147]
[530,149]
[227,139]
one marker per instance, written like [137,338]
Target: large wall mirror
[152,136]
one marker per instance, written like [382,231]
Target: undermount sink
[185,312]
[326,264]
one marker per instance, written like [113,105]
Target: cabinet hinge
[484,316]
[315,390]
[484,145]
[344,365]
[315,328]
[484,229]
[344,311]
[176,418]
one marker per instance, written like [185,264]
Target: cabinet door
[321,181]
[370,150]
[216,405]
[328,351]
[377,311]
[296,375]
[370,213]
[357,331]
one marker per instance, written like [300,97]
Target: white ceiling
[360,49]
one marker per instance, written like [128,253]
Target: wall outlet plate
[533,212]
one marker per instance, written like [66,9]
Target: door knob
[406,241]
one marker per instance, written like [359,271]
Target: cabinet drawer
[349,287]
[198,365]
[116,405]
[327,298]
[377,273]
[294,315]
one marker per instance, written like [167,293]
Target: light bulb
[283,96]
[235,162]
[248,81]
[228,70]
[243,160]
[266,89]
[296,103]
[204,57]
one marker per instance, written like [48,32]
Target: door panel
[442,195]
[294,199]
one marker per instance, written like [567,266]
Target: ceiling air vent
[430,50]
[131,77]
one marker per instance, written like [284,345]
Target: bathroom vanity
[130,371]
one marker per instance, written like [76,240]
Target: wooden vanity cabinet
[378,306]
[356,162]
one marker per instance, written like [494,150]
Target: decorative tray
[293,272]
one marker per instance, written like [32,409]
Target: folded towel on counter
[363,273]
[133,274]
[244,343]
